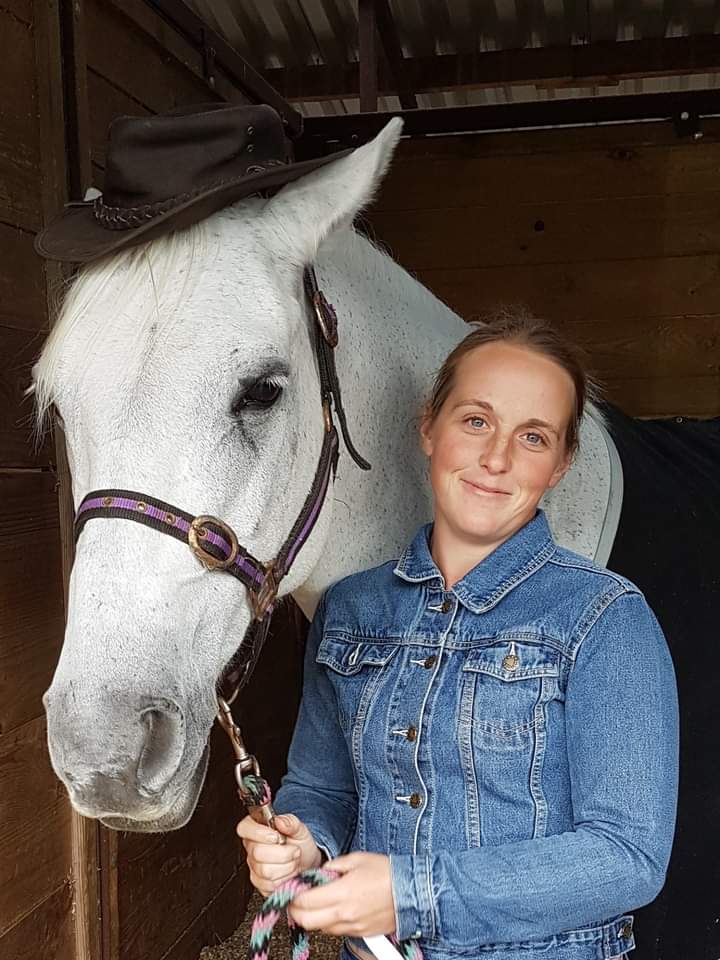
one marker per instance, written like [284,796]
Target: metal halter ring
[198,532]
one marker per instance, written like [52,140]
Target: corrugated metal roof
[296,33]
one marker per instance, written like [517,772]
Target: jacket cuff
[327,845]
[412,894]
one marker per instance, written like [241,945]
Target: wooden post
[367,23]
[52,20]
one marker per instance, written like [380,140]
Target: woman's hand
[357,904]
[269,859]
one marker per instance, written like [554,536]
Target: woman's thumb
[288,824]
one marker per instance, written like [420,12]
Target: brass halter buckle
[198,531]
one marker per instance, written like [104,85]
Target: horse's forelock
[155,276]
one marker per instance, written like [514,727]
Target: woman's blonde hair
[516,325]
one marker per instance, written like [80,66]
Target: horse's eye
[259,396]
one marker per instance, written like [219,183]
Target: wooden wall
[36,891]
[612,232]
[70,889]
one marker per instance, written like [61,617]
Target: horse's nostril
[164,742]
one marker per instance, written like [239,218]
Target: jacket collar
[487,583]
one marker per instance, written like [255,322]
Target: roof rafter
[603,62]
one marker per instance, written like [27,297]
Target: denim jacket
[511,744]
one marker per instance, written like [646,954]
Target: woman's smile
[482,489]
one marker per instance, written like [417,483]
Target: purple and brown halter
[215,544]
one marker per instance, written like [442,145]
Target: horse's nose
[118,757]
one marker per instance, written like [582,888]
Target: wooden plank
[216,922]
[75,102]
[605,289]
[19,349]
[19,9]
[179,872]
[135,63]
[662,348]
[549,66]
[22,304]
[109,892]
[666,396]
[462,177]
[552,140]
[576,231]
[390,40]
[47,932]
[19,147]
[31,607]
[367,56]
[34,819]
[174,45]
[107,103]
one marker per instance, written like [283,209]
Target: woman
[489,722]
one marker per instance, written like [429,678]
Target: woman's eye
[259,396]
[535,439]
[477,422]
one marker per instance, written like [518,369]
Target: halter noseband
[213,542]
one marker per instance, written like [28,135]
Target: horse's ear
[303,213]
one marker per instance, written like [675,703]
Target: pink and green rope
[278,902]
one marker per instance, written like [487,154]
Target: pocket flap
[511,660]
[348,656]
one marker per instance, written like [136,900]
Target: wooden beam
[367,48]
[77,118]
[604,62]
[393,53]
[220,54]
[352,129]
[64,126]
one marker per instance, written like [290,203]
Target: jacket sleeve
[623,760]
[319,786]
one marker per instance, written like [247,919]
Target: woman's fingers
[249,829]
[267,853]
[265,877]
[274,868]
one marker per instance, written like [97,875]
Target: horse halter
[214,543]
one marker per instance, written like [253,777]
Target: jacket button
[626,930]
[446,606]
[430,662]
[511,661]
[411,734]
[415,800]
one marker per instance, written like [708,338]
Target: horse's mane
[150,279]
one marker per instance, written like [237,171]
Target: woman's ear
[426,424]
[561,469]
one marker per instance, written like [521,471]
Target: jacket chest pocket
[355,668]
[507,685]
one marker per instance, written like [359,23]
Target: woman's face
[498,443]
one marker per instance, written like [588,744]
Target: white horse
[155,367]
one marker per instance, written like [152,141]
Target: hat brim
[77,237]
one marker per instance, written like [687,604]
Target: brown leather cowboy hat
[168,171]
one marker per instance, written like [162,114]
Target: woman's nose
[496,456]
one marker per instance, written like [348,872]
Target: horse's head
[184,369]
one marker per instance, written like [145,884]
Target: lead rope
[279,900]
